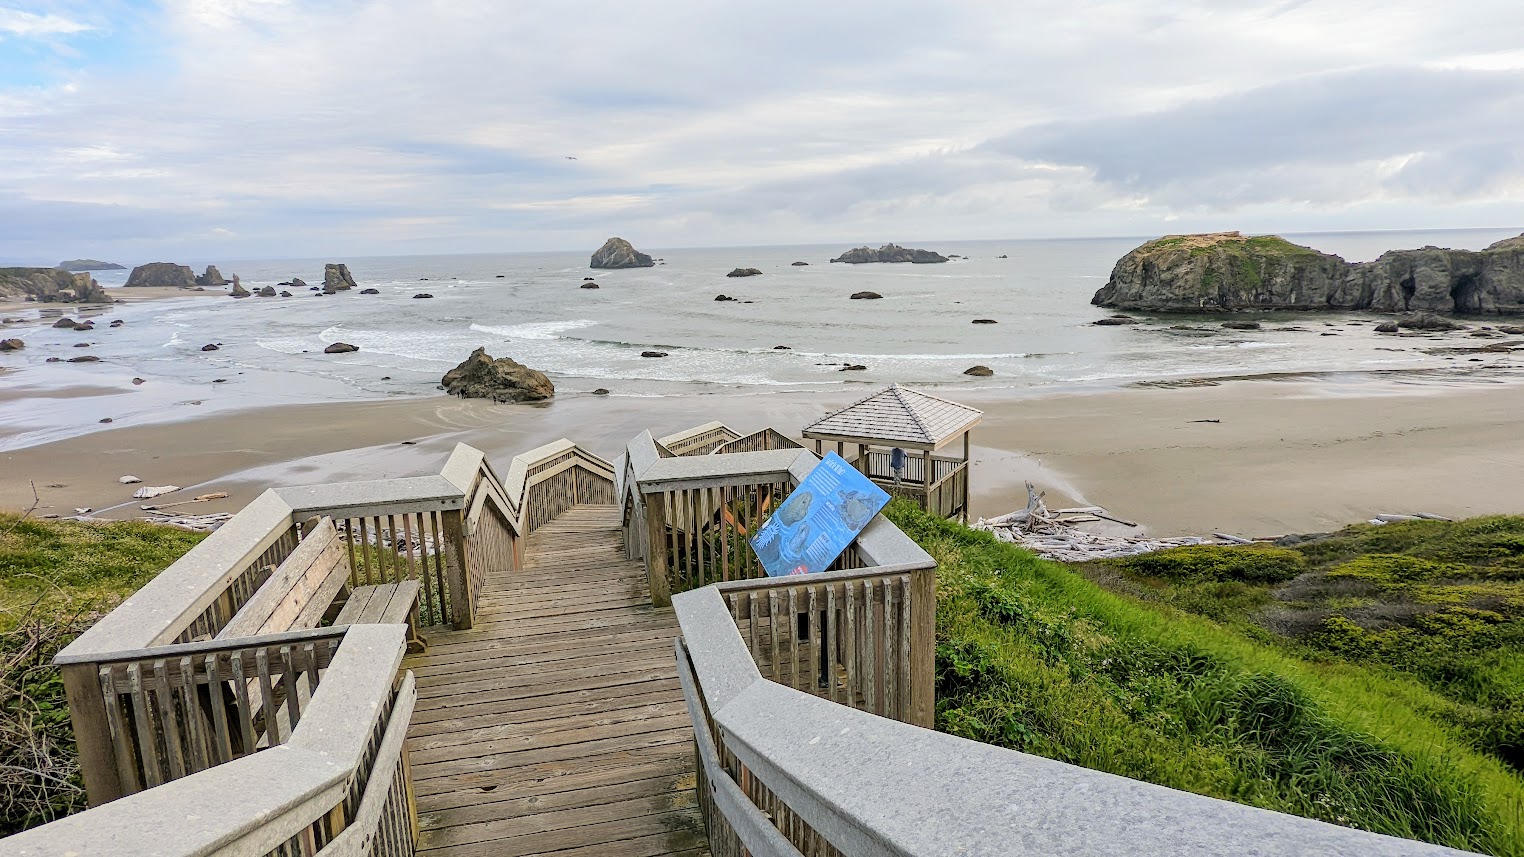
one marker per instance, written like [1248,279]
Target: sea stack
[212,277]
[49,285]
[336,278]
[162,275]
[619,253]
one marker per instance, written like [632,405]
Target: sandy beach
[1261,457]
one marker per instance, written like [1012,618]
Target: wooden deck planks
[556,725]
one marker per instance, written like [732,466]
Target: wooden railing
[944,496]
[699,440]
[758,441]
[337,784]
[555,477]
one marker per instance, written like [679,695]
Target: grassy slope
[56,577]
[1035,657]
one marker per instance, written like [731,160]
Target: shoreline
[1296,455]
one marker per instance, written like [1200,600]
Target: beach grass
[56,579]
[1035,656]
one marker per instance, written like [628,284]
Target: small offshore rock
[53,360]
[1112,322]
[422,296]
[85,325]
[723,298]
[853,367]
[267,292]
[209,347]
[1428,321]
[106,420]
[239,291]
[1512,330]
[65,322]
[866,296]
[285,294]
[85,358]
[81,345]
[985,321]
[138,382]
[340,348]
[653,354]
[370,291]
[589,285]
[782,348]
[745,272]
[601,391]
[118,323]
[1241,325]
[800,264]
[11,345]
[979,371]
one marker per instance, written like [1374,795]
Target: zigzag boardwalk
[557,725]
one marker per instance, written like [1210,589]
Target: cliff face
[1227,271]
[50,285]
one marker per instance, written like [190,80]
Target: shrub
[1211,563]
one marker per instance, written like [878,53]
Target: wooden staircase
[556,724]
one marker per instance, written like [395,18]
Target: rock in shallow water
[340,348]
[745,272]
[502,379]
[866,296]
[979,371]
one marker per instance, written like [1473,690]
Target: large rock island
[50,285]
[619,253]
[76,265]
[162,275]
[889,253]
[1227,271]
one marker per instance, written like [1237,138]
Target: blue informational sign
[818,520]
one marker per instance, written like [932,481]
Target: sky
[246,129]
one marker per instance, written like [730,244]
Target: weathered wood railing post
[92,733]
[923,647]
[656,551]
[462,598]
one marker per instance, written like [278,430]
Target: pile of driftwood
[205,523]
[1055,533]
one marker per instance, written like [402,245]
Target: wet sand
[1284,456]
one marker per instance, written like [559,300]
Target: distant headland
[1226,271]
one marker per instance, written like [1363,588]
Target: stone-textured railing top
[875,786]
[664,473]
[251,805]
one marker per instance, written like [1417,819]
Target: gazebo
[917,423]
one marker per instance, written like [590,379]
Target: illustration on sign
[818,520]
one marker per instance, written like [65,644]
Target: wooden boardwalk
[557,725]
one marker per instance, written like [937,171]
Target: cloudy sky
[281,128]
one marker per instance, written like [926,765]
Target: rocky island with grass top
[1227,271]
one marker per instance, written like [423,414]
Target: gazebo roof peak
[897,415]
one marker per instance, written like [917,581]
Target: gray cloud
[286,127]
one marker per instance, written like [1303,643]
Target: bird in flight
[570,158]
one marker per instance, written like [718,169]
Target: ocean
[529,306]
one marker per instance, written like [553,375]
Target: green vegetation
[1034,656]
[1239,246]
[56,578]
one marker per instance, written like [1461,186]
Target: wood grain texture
[556,722]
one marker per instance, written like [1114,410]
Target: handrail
[838,780]
[698,440]
[301,790]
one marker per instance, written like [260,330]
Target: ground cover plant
[56,578]
[1115,673]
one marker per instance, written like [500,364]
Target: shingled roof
[897,415]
